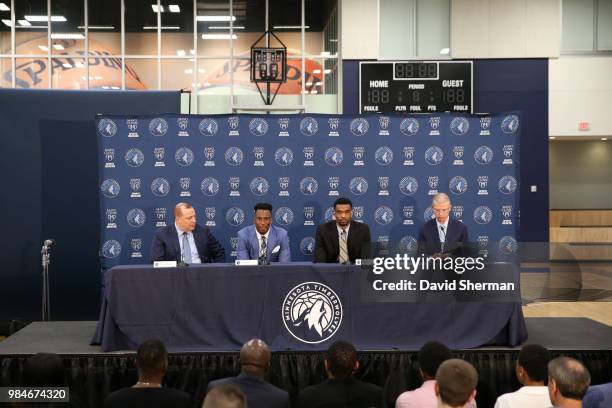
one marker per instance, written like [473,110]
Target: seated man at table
[262,240]
[341,389]
[185,241]
[442,236]
[342,240]
[152,364]
[254,363]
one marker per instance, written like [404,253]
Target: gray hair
[440,198]
[571,376]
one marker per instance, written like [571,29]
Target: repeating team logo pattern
[389,166]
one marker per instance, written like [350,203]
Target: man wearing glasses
[441,236]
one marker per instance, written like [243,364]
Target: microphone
[49,242]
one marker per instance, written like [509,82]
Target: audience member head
[44,370]
[255,357]
[341,360]
[456,383]
[185,216]
[568,380]
[343,211]
[151,361]
[225,396]
[431,355]
[531,367]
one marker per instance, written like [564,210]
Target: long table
[297,306]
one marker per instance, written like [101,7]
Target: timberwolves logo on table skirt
[483,155]
[508,245]
[358,185]
[209,186]
[307,245]
[136,217]
[234,156]
[234,216]
[409,127]
[158,127]
[259,186]
[208,127]
[359,126]
[383,156]
[510,124]
[483,215]
[283,156]
[107,128]
[309,186]
[312,312]
[110,188]
[160,187]
[184,157]
[111,249]
[458,185]
[258,127]
[383,215]
[434,155]
[283,216]
[460,126]
[334,156]
[309,126]
[408,185]
[134,157]
[507,185]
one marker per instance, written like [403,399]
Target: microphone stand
[46,300]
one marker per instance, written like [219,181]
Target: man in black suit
[254,363]
[342,240]
[341,389]
[152,364]
[186,241]
[442,236]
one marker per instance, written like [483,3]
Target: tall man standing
[185,240]
[262,240]
[342,240]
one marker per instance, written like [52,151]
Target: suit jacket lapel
[335,240]
[271,243]
[175,242]
[254,247]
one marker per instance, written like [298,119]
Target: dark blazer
[259,393]
[327,246]
[456,241]
[341,394]
[148,397]
[166,245]
[248,244]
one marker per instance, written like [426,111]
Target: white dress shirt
[525,397]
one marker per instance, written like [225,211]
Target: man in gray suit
[254,363]
[262,240]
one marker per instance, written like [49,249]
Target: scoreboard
[415,86]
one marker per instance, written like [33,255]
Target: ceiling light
[445,51]
[79,65]
[157,9]
[163,28]
[192,52]
[24,23]
[94,27]
[4,7]
[66,65]
[327,71]
[316,71]
[218,36]
[174,8]
[201,70]
[289,27]
[43,48]
[552,138]
[215,18]
[58,46]
[604,138]
[7,22]
[189,71]
[56,19]
[67,36]
[226,27]
[115,87]
[325,53]
[180,53]
[333,40]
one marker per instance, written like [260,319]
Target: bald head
[255,357]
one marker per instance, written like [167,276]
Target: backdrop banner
[390,166]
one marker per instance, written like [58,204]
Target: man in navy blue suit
[186,241]
[442,236]
[262,240]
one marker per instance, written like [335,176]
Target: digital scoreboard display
[415,86]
